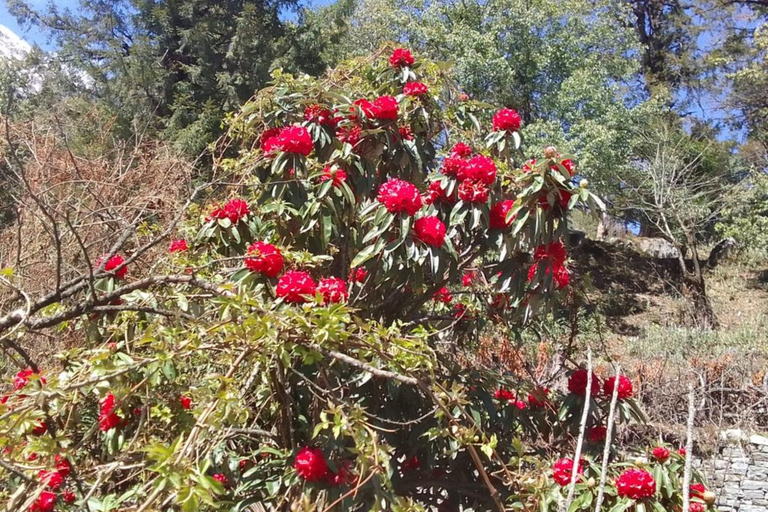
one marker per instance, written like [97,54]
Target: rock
[758,440]
[656,247]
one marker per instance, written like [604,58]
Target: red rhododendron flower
[479,168]
[401,58]
[636,484]
[473,191]
[405,132]
[577,383]
[244,464]
[561,278]
[265,259]
[400,196]
[506,119]
[108,419]
[40,429]
[453,166]
[333,290]
[68,497]
[498,215]
[178,246]
[563,198]
[366,106]
[461,150]
[520,404]
[660,453]
[21,379]
[698,490]
[597,434]
[344,476]
[411,464]
[385,107]
[319,115]
[415,89]
[435,193]
[504,395]
[682,451]
[625,387]
[294,139]
[528,166]
[357,275]
[563,469]
[44,503]
[62,465]
[338,176]
[569,166]
[112,263]
[268,141]
[235,210]
[442,295]
[459,310]
[695,506]
[310,464]
[349,134]
[538,397]
[554,251]
[51,479]
[468,278]
[430,230]
[221,479]
[294,286]
[186,402]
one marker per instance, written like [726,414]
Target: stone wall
[739,472]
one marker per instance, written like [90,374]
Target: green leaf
[364,255]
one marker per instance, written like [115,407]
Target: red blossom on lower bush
[108,419]
[401,57]
[178,246]
[506,119]
[294,139]
[461,150]
[265,259]
[295,286]
[357,275]
[473,191]
[577,383]
[498,215]
[333,290]
[186,402]
[637,484]
[453,166]
[625,387]
[51,479]
[660,453]
[442,295]
[429,230]
[113,263]
[597,434]
[310,464]
[415,89]
[399,196]
[562,470]
[538,397]
[335,175]
[46,502]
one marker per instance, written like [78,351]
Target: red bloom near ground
[399,196]
[294,286]
[349,134]
[430,230]
[235,210]
[577,383]
[415,89]
[561,277]
[401,58]
[468,278]
[268,141]
[294,139]
[697,507]
[265,259]
[453,166]
[473,191]
[51,479]
[21,379]
[597,434]
[319,115]
[112,263]
[333,290]
[178,246]
[68,497]
[357,275]
[479,168]
[506,119]
[569,166]
[636,484]
[62,465]
[442,295]
[44,503]
[107,417]
[698,490]
[186,402]
[554,251]
[660,453]
[310,464]
[504,395]
[221,479]
[563,469]
[385,108]
[461,150]
[498,215]
[625,387]
[435,193]
[538,397]
[405,132]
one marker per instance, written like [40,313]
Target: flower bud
[641,461]
[591,483]
[550,152]
[583,184]
[709,497]
[463,97]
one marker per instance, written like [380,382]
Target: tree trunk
[703,314]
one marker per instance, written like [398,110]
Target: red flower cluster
[577,383]
[349,134]
[112,263]
[44,503]
[563,198]
[436,193]
[405,132]
[453,165]
[504,395]
[415,89]
[385,108]
[400,196]
[430,230]
[660,453]
[568,164]
[320,115]
[294,286]
[698,490]
[478,168]
[333,290]
[344,475]
[625,387]
[235,210]
[539,397]
[68,497]
[268,141]
[310,464]
[294,139]
[473,191]
[186,402]
[555,253]
[468,278]
[265,259]
[498,215]
[21,379]
[506,119]
[108,419]
[636,484]
[178,246]
[401,58]
[411,464]
[563,469]
[357,275]
[221,479]
[62,465]
[336,175]
[53,480]
[442,295]
[461,150]
[597,434]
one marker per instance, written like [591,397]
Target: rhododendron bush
[304,341]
